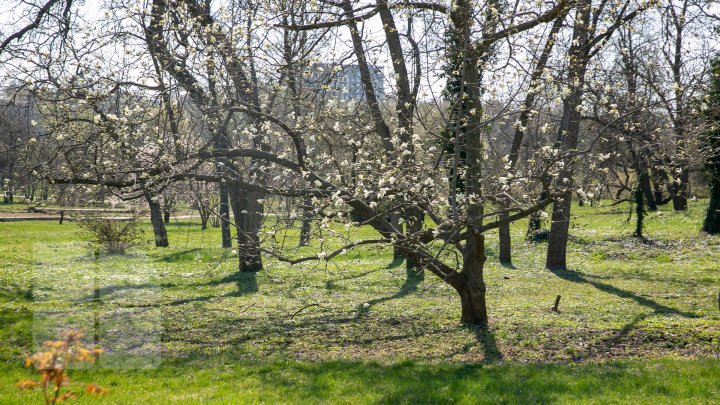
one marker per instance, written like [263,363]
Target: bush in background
[114,234]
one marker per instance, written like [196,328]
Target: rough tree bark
[248,218]
[225,216]
[156,218]
[711,224]
[567,137]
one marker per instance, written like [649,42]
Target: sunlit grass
[354,330]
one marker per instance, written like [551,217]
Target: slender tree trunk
[305,227]
[397,250]
[156,218]
[657,189]
[646,188]
[680,187]
[567,139]
[225,216]
[643,178]
[504,236]
[413,225]
[505,241]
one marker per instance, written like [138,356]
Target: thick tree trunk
[414,225]
[225,216]
[248,217]
[472,294]
[711,224]
[558,239]
[156,218]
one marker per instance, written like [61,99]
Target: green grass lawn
[638,322]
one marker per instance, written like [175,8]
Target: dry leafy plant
[52,364]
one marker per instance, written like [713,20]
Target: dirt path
[55,216]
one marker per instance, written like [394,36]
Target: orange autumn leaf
[26,385]
[94,389]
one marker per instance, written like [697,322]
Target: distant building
[343,82]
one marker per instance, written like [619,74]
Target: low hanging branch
[328,256]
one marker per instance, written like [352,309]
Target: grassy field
[638,321]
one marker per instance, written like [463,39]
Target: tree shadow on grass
[182,256]
[605,344]
[508,265]
[410,382]
[486,338]
[412,281]
[395,263]
[246,282]
[578,277]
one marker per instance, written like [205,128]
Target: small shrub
[539,235]
[115,235]
[52,364]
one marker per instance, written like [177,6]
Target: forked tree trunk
[156,218]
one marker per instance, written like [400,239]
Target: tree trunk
[248,216]
[305,227]
[711,224]
[166,216]
[505,241]
[646,188]
[414,224]
[156,218]
[397,250]
[225,217]
[680,187]
[472,294]
[657,190]
[567,138]
[557,241]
